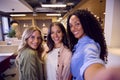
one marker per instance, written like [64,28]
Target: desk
[4,62]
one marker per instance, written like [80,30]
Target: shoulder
[92,46]
[87,43]
[28,53]
[67,49]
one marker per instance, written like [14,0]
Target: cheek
[28,42]
[51,36]
[61,35]
[71,29]
[82,32]
[81,29]
[40,41]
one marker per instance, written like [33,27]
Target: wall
[1,29]
[34,18]
[112,23]
[37,20]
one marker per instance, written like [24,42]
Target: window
[5,25]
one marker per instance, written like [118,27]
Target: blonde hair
[26,34]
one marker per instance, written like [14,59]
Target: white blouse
[51,64]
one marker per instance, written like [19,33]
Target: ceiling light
[60,18]
[70,4]
[18,15]
[53,14]
[53,5]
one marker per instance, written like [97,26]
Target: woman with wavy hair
[87,44]
[29,55]
[59,55]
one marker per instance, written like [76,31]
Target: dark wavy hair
[91,27]
[50,42]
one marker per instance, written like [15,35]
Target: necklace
[58,53]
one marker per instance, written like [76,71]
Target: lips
[75,32]
[56,39]
[35,45]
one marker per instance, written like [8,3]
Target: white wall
[112,31]
[112,23]
[113,57]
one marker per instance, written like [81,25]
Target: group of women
[80,53]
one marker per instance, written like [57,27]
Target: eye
[70,25]
[59,31]
[77,24]
[52,32]
[32,37]
[38,38]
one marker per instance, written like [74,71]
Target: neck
[58,45]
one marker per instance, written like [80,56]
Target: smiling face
[76,27]
[56,35]
[34,40]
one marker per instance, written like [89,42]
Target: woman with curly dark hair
[87,43]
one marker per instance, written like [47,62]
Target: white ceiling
[17,5]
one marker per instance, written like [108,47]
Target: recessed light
[53,5]
[18,15]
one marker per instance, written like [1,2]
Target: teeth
[35,44]
[56,38]
[75,32]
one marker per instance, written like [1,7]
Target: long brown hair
[50,42]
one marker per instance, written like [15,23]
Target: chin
[76,37]
[56,41]
[34,47]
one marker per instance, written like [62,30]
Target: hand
[108,74]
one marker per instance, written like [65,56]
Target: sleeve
[16,61]
[91,56]
[29,66]
[66,69]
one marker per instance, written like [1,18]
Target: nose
[55,35]
[36,40]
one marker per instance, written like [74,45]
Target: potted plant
[11,33]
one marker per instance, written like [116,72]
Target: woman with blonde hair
[29,55]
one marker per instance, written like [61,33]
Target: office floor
[11,70]
[113,60]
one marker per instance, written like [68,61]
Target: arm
[110,73]
[28,66]
[92,62]
[92,70]
[16,61]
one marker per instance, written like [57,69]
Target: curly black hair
[91,27]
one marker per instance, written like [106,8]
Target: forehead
[36,33]
[55,27]
[73,19]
